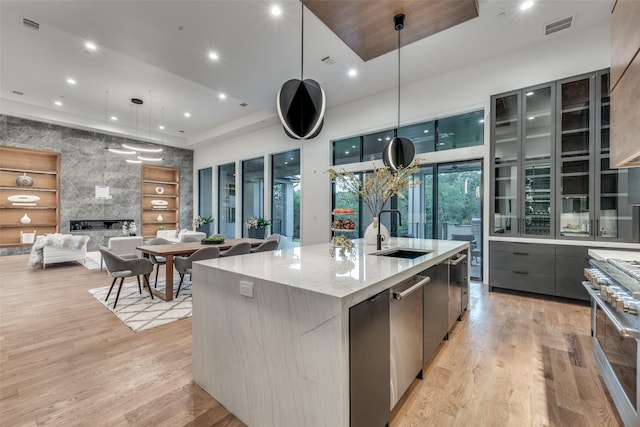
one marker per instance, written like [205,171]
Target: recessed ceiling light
[387,138]
[114,118]
[161,127]
[526,5]
[58,103]
[187,114]
[481,121]
[346,152]
[214,56]
[426,131]
[286,163]
[531,117]
[379,139]
[529,93]
[222,96]
[353,146]
[71,81]
[353,72]
[275,10]
[90,45]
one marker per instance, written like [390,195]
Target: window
[423,136]
[227,199]
[285,197]
[252,190]
[346,151]
[462,130]
[205,191]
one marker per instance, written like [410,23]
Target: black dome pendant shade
[399,152]
[301,106]
[301,103]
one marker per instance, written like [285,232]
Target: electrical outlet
[246,289]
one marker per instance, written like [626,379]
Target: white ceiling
[156,50]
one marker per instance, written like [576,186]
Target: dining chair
[121,268]
[187,238]
[237,249]
[275,237]
[157,260]
[267,245]
[183,264]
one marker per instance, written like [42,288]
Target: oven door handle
[622,330]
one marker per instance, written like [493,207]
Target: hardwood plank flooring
[65,360]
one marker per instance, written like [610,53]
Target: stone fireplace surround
[86,163]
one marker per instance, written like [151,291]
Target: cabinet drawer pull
[412,289]
[521,272]
[520,253]
[457,260]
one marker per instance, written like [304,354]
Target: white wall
[457,91]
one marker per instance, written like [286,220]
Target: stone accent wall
[84,163]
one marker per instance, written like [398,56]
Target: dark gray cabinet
[435,311]
[369,361]
[570,264]
[548,269]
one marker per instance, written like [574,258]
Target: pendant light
[399,152]
[301,103]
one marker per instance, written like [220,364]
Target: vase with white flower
[129,228]
[257,227]
[375,189]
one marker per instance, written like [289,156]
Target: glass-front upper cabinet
[593,197]
[613,213]
[523,135]
[575,149]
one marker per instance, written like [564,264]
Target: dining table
[170,250]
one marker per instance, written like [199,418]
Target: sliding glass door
[285,196]
[252,190]
[227,199]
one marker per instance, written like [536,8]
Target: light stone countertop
[354,279]
[603,255]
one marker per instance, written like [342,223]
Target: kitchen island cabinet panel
[523,281]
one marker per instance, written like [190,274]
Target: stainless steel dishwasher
[405,318]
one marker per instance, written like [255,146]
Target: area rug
[139,311]
[92,260]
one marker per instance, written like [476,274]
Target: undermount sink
[406,253]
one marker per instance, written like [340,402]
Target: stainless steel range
[614,287]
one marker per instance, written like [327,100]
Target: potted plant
[203,224]
[257,227]
[129,228]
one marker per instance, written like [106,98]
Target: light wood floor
[65,360]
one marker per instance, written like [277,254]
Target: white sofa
[174,236]
[54,248]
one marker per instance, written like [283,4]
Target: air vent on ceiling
[30,24]
[558,25]
[17,92]
[327,60]
[243,104]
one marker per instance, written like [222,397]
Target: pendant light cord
[398,129]
[302,39]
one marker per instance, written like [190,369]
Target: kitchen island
[271,331]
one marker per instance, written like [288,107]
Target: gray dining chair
[241,248]
[275,237]
[183,264]
[157,260]
[189,239]
[121,268]
[267,245]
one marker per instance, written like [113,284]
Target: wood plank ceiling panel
[367,26]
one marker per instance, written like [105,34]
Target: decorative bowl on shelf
[159,190]
[24,180]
